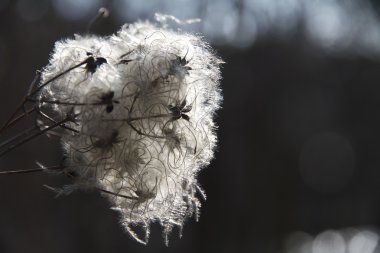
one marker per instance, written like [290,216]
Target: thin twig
[32,91]
[57,167]
[10,148]
[117,194]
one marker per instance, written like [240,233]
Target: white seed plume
[143,102]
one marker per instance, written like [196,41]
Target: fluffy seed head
[143,101]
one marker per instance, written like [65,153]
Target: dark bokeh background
[299,146]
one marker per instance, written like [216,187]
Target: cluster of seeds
[136,112]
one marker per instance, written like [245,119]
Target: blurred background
[297,169]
